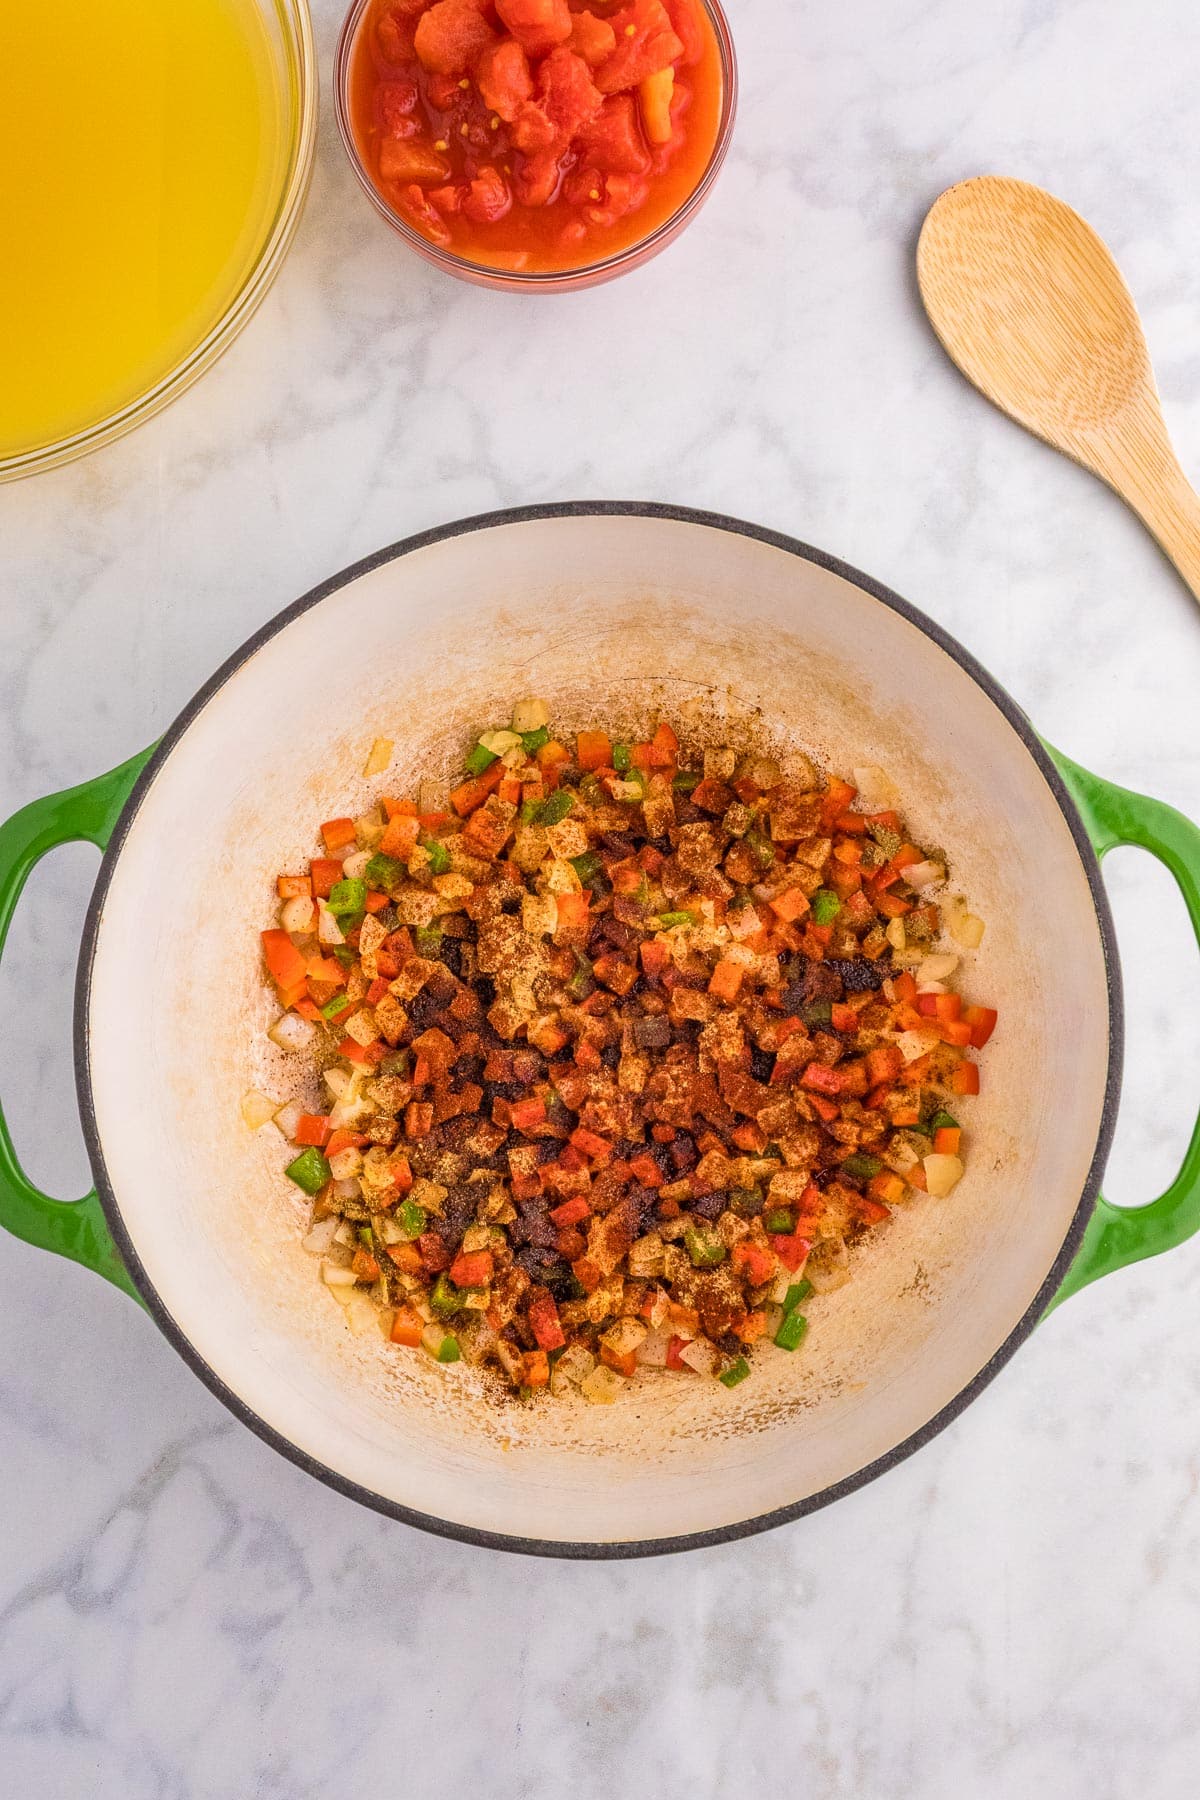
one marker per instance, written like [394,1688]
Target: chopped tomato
[312,1129]
[472,1269]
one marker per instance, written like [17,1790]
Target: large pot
[612,611]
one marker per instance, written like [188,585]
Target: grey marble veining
[183,1615]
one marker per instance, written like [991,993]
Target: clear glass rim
[296,21]
[548,280]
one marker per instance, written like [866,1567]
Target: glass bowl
[287,26]
[559,281]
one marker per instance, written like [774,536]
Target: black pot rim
[585,1551]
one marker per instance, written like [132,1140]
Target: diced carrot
[752,1327]
[955,1031]
[946,1140]
[906,1115]
[527,1115]
[646,1170]
[904,987]
[374,902]
[399,809]
[473,793]
[407,1325]
[965,1079]
[313,1128]
[792,904]
[587,1056]
[587,1273]
[325,872]
[399,837]
[655,954]
[819,1078]
[749,1137]
[592,1145]
[838,796]
[886,1187]
[341,1139]
[284,962]
[572,913]
[338,833]
[825,1109]
[843,1018]
[615,973]
[552,754]
[291,995]
[365,1265]
[294,887]
[307,1009]
[726,979]
[593,750]
[917,1178]
[510,790]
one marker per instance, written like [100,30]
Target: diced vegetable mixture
[624,1048]
[536,134]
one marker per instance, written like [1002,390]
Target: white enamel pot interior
[615,614]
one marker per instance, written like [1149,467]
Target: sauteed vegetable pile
[623,1049]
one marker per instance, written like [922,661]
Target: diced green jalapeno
[479,759]
[588,866]
[943,1121]
[411,1218]
[580,984]
[554,810]
[791,1331]
[347,896]
[448,1350]
[761,848]
[366,1237]
[384,872]
[530,810]
[817,1012]
[704,1247]
[620,758]
[780,1220]
[667,921]
[532,741]
[445,1299]
[825,906]
[799,1291]
[685,782]
[310,1171]
[863,1165]
[439,857]
[736,1372]
[427,939]
[333,1009]
[345,955]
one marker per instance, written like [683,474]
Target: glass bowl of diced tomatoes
[537,145]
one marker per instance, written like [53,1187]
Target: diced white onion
[652,1351]
[344,1233]
[913,1044]
[362,1315]
[877,791]
[348,1188]
[701,1356]
[602,1386]
[895,934]
[930,987]
[965,927]
[320,1238]
[530,715]
[938,967]
[328,929]
[355,865]
[346,1163]
[288,1119]
[333,1275]
[291,1032]
[744,922]
[299,915]
[258,1109]
[942,1173]
[337,1081]
[500,741]
[924,874]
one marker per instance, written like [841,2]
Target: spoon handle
[1138,460]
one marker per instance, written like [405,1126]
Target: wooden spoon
[1029,303]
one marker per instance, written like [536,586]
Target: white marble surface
[183,1615]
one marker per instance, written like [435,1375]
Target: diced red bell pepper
[571,1212]
[726,979]
[837,799]
[824,1109]
[674,1360]
[615,973]
[982,1020]
[843,1018]
[947,1139]
[284,962]
[364,1265]
[904,987]
[325,873]
[755,1263]
[646,1170]
[955,1031]
[655,954]
[883,1065]
[341,1139]
[314,1129]
[886,1187]
[407,1326]
[792,1250]
[792,904]
[819,1078]
[591,1144]
[587,1273]
[473,1268]
[527,1115]
[294,887]
[572,911]
[869,1211]
[749,1137]
[544,1321]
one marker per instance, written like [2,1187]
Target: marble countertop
[184,1615]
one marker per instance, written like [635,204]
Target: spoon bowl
[1028,301]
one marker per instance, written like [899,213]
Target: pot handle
[77,1229]
[1119,1235]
